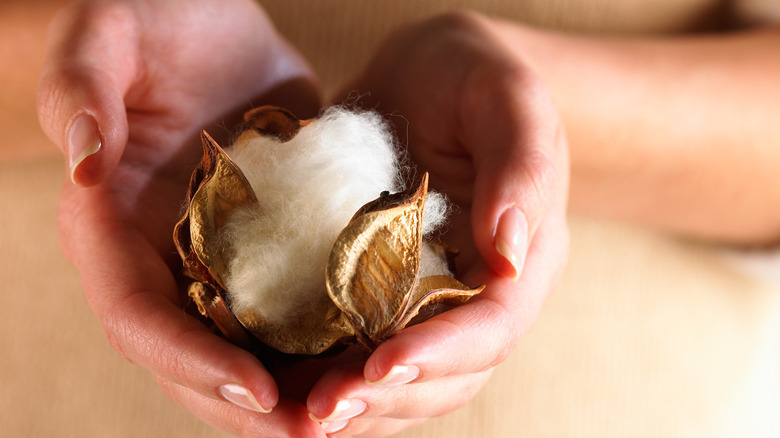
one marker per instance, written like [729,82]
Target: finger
[511,129]
[133,293]
[91,63]
[343,394]
[480,334]
[288,420]
[152,332]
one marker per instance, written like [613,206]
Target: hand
[483,125]
[126,87]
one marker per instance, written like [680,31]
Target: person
[676,133]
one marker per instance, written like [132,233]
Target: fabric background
[648,335]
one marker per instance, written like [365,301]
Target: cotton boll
[308,189]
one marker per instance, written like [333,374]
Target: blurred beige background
[648,335]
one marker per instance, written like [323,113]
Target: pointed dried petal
[374,263]
[429,291]
[225,190]
[216,188]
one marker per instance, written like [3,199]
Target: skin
[150,101]
[675,133]
[488,151]
[685,163]
[489,108]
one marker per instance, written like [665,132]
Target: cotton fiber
[308,189]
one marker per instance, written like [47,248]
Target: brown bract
[372,287]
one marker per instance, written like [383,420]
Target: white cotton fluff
[308,189]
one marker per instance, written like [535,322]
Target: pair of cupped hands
[128,85]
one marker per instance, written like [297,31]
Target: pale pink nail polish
[398,375]
[240,396]
[344,410]
[83,141]
[333,426]
[511,239]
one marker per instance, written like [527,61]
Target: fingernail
[344,410]
[240,396]
[398,375]
[511,239]
[83,141]
[333,426]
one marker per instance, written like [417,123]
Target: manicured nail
[240,396]
[333,426]
[511,239]
[83,141]
[344,410]
[398,375]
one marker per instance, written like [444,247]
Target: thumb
[521,174]
[88,68]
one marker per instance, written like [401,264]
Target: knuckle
[116,337]
[466,391]
[542,171]
[448,36]
[464,36]
[540,183]
[107,15]
[52,105]
[506,336]
[167,363]
[459,400]
[459,20]
[137,342]
[495,329]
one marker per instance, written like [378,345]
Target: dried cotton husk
[372,274]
